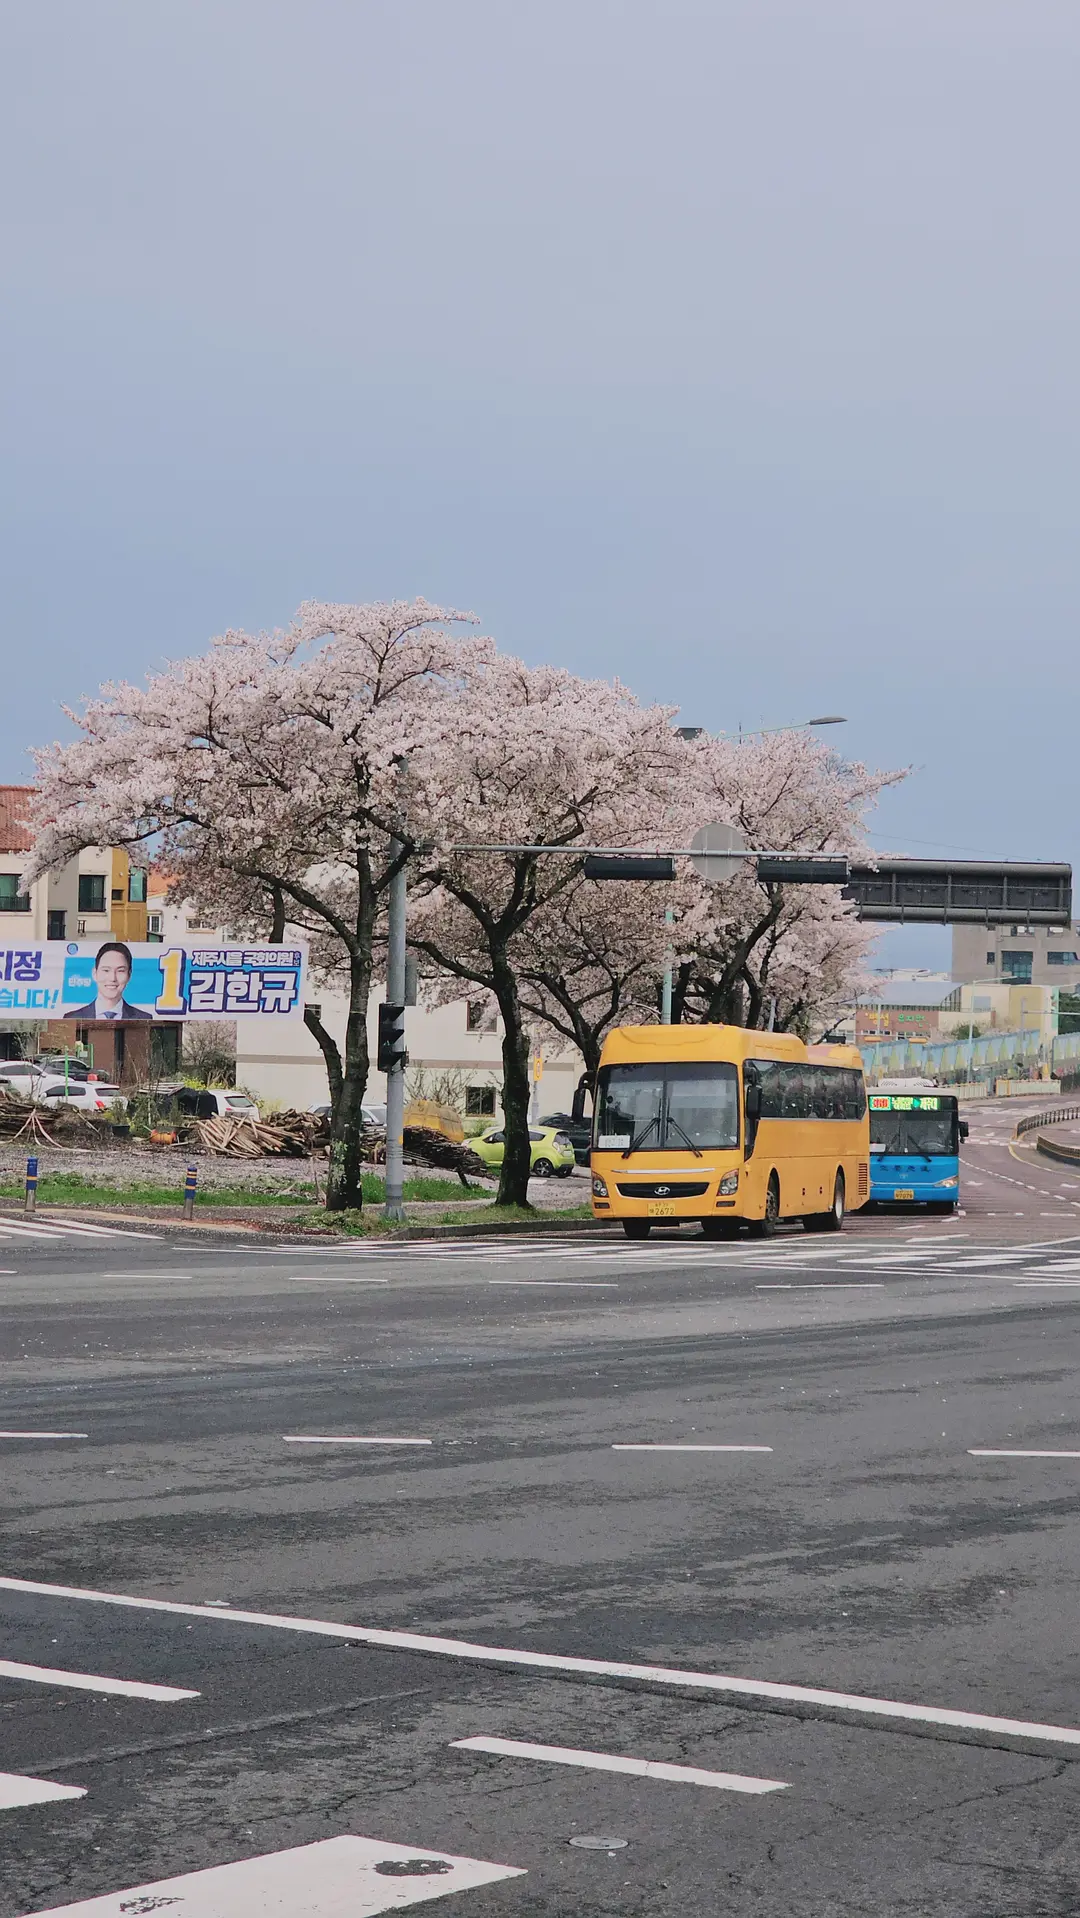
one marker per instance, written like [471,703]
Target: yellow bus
[729,1127]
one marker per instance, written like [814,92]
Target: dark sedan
[578,1131]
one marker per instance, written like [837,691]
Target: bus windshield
[667,1106]
[914,1134]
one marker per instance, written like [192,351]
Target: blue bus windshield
[928,1135]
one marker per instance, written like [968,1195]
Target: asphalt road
[382,1595]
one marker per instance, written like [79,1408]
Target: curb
[416,1231]
[1051,1149]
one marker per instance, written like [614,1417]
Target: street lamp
[759,732]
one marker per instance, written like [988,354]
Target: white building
[458,1044]
[454,1048]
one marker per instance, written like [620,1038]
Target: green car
[552,1152]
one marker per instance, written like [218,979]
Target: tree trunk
[517,1151]
[343,1189]
[331,1056]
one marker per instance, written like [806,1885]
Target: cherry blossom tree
[265,772]
[595,959]
[750,950]
[542,758]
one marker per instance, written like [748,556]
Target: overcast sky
[726,345]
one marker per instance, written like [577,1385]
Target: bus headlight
[600,1188]
[729,1183]
[947,1182]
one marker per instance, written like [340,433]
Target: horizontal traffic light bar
[602,865]
[795,869]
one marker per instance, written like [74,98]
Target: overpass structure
[955,892]
[948,892]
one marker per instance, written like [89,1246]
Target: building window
[990,958]
[57,925]
[1062,958]
[11,899]
[91,892]
[153,928]
[479,1102]
[137,885]
[480,1016]
[1017,967]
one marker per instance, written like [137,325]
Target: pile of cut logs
[291,1135]
[51,1125]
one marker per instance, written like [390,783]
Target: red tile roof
[14,835]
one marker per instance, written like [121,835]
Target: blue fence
[985,1058]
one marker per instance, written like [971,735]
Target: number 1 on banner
[170,998]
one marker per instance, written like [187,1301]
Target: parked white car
[90,1095]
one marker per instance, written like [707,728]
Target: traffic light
[391,1038]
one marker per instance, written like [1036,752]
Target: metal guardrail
[1056,1116]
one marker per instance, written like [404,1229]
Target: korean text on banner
[112,979]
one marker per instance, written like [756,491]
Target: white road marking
[578,1285]
[305,1439]
[1020,1454]
[635,1767]
[33,1791]
[159,1274]
[66,1228]
[825,1285]
[44,1435]
[86,1682]
[335,1278]
[555,1662]
[358,1876]
[691,1448]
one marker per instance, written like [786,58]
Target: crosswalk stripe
[15,1790]
[89,1682]
[12,1228]
[348,1874]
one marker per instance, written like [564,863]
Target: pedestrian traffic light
[391,1038]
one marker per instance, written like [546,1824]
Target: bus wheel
[636,1228]
[766,1228]
[833,1219]
[720,1228]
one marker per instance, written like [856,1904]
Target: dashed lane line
[632,1767]
[885,1710]
[305,1439]
[44,1435]
[986,1453]
[665,1447]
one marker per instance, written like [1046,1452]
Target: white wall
[438,1040]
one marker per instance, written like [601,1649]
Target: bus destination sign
[906,1102]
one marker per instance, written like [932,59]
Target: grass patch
[75,1188]
[483,1217]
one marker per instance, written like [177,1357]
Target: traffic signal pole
[395,993]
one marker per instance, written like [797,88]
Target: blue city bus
[915,1148]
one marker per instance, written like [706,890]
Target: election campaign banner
[107,979]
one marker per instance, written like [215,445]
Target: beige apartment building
[1017,955]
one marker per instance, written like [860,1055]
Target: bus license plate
[904,1192]
[661,1209]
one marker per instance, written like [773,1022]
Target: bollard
[189,1190]
[30,1195]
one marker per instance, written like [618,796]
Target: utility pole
[669,961]
[395,993]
